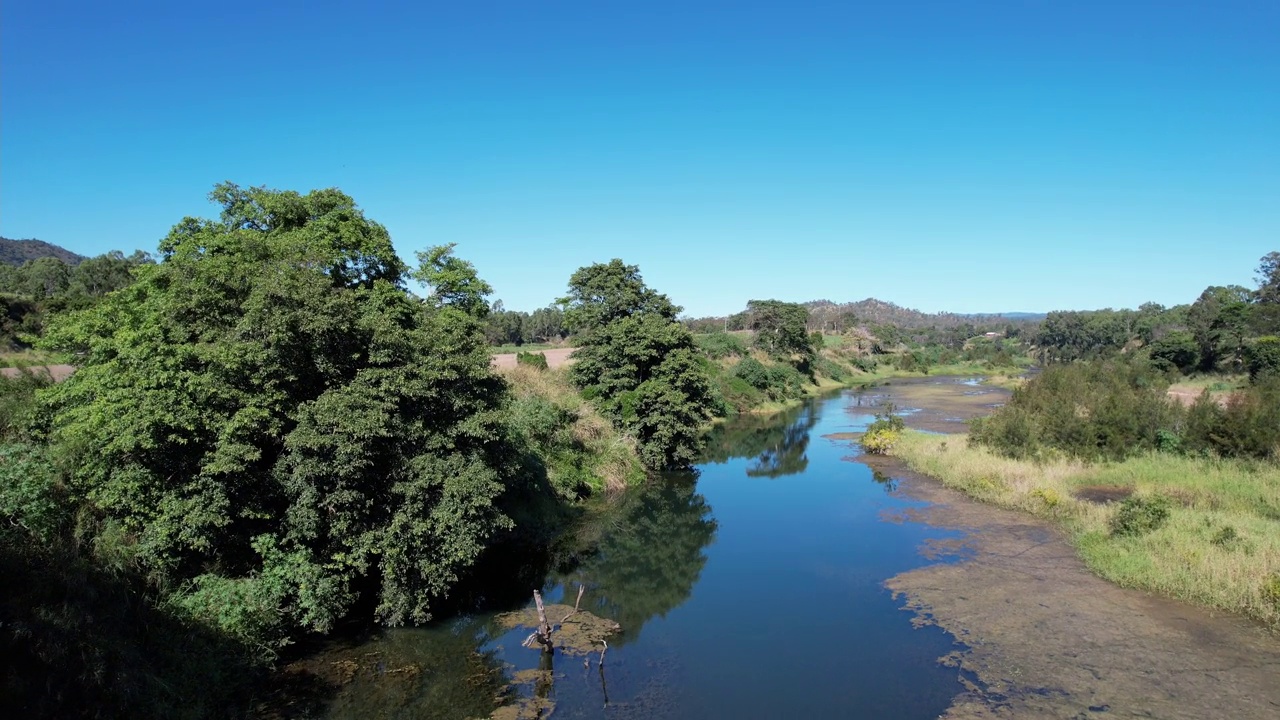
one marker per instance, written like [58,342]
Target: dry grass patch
[1220,544]
[577,444]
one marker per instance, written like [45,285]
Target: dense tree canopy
[269,417]
[637,362]
[780,329]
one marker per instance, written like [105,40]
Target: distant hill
[16,252]
[878,312]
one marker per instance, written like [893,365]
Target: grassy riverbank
[582,452]
[1219,545]
[1001,376]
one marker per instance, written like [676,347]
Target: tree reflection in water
[647,555]
[777,446]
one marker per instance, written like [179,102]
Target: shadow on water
[773,604]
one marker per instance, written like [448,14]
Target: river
[753,588]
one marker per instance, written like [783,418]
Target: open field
[1187,390]
[556,357]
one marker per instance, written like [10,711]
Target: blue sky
[955,155]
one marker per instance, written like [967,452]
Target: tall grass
[1220,546]
[581,450]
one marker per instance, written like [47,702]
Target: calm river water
[753,590]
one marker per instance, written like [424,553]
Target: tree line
[1226,329]
[1102,394]
[48,285]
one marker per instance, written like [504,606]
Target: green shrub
[1168,441]
[719,345]
[1271,590]
[880,441]
[1140,515]
[17,402]
[532,359]
[1177,350]
[778,382]
[1263,358]
[1247,426]
[30,495]
[1093,411]
[817,340]
[734,394]
[884,432]
[913,361]
[832,369]
[1226,537]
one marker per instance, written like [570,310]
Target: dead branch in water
[542,635]
[581,589]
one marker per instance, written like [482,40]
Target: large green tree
[637,362]
[1219,320]
[268,421]
[1266,317]
[780,329]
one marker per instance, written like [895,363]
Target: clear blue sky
[953,155]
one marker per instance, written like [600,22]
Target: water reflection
[438,673]
[889,484]
[646,556]
[818,635]
[776,444]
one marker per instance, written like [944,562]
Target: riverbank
[1218,544]
[1044,637]
[1043,634]
[1005,377]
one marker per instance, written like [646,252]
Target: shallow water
[753,591]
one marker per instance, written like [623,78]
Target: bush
[84,641]
[30,495]
[532,359]
[17,402]
[778,382]
[1263,358]
[719,345]
[1271,590]
[865,364]
[1092,411]
[1139,515]
[733,394]
[817,340]
[913,361]
[883,433]
[832,369]
[1168,441]
[881,441]
[1247,426]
